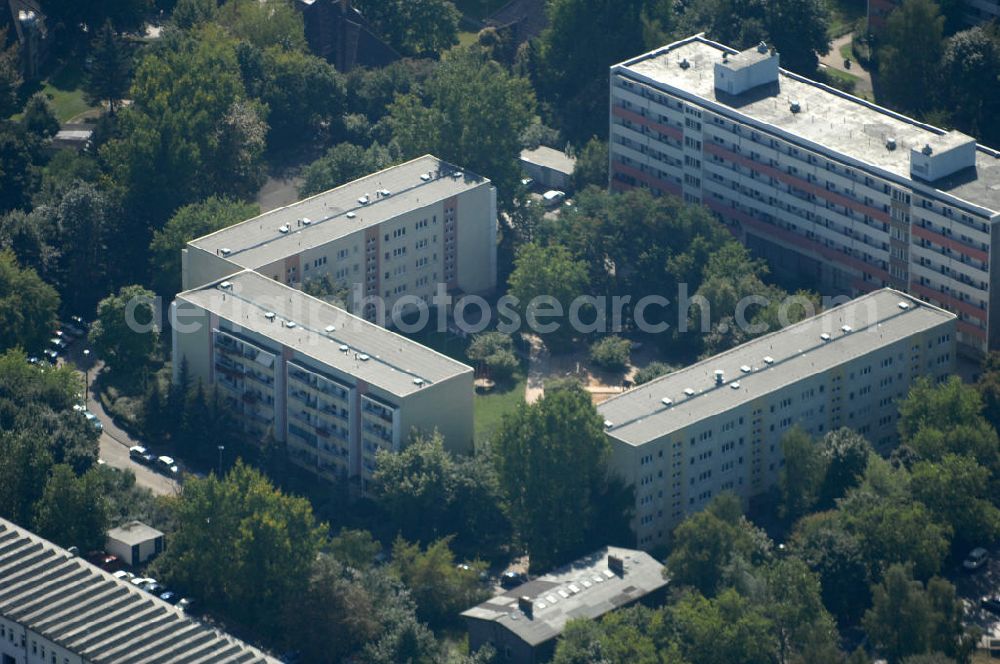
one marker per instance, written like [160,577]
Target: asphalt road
[114,442]
[115,454]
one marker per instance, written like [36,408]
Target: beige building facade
[332,386]
[716,426]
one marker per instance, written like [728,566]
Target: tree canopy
[551,459]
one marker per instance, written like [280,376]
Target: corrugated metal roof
[87,611]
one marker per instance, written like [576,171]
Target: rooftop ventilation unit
[720,376]
[270,315]
[329,329]
[363,200]
[608,424]
[425,177]
[351,215]
[306,221]
[927,149]
[344,348]
[684,64]
[225,251]
[824,336]
[289,324]
[794,107]
[768,359]
[846,329]
[735,385]
[418,381]
[745,369]
[363,357]
[226,285]
[667,401]
[384,192]
[689,392]
[904,305]
[283,228]
[890,143]
[762,47]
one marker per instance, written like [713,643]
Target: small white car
[553,197]
[166,465]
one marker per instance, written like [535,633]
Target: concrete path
[834,60]
[538,369]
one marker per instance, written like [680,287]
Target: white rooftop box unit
[747,70]
[942,155]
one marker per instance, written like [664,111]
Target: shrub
[611,353]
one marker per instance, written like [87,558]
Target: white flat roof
[827,117]
[134,532]
[394,363]
[336,213]
[792,354]
[550,158]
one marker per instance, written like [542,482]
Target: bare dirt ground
[601,384]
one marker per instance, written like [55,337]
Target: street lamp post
[221,447]
[86,376]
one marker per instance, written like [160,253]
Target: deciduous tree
[125,333]
[551,457]
[28,306]
[72,510]
[188,223]
[910,56]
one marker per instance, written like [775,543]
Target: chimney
[525,605]
[616,565]
[720,376]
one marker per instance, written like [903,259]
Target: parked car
[140,454]
[51,355]
[991,604]
[166,465]
[79,322]
[186,605]
[553,197]
[93,419]
[106,561]
[170,597]
[141,581]
[122,575]
[58,343]
[976,559]
[34,359]
[512,579]
[154,588]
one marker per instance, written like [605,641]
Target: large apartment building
[334,387]
[717,425]
[58,609]
[399,232]
[828,187]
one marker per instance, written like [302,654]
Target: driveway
[114,442]
[834,60]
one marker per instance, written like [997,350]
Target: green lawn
[64,86]
[491,407]
[488,408]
